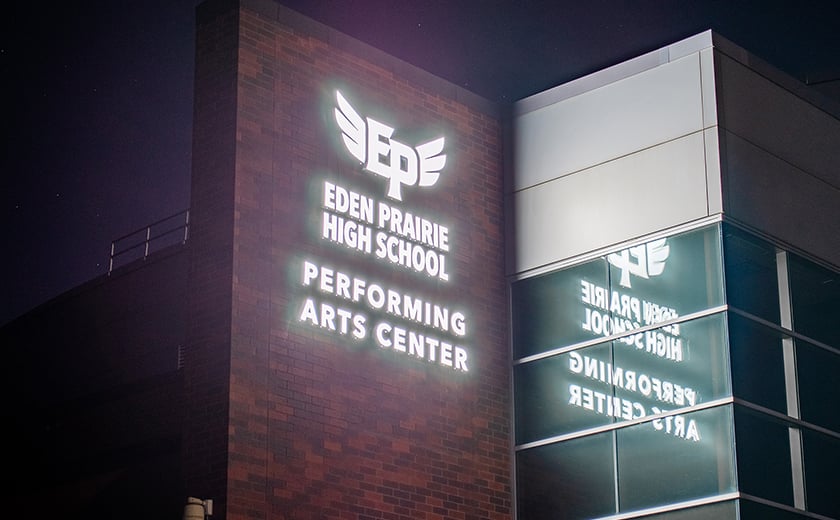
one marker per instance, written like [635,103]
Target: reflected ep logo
[644,261]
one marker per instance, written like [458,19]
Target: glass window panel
[758,371]
[598,385]
[822,482]
[676,458]
[816,300]
[818,377]
[642,285]
[752,283]
[547,311]
[763,446]
[552,398]
[568,480]
[754,511]
[665,278]
[672,367]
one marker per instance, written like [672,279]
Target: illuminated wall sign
[387,235]
[370,142]
[635,376]
[376,227]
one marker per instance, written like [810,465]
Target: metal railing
[139,244]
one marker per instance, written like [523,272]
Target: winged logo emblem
[644,261]
[369,141]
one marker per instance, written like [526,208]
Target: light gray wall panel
[611,121]
[714,188]
[707,85]
[641,193]
[771,195]
[772,118]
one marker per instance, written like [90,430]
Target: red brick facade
[287,420]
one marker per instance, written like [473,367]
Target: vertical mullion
[791,386]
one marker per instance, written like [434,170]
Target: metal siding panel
[778,121]
[714,189]
[638,112]
[641,193]
[771,195]
[707,85]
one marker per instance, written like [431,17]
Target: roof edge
[615,73]
[672,52]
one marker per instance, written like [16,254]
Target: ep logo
[370,142]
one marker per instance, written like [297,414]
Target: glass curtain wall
[637,374]
[784,336]
[622,392]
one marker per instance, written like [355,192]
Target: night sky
[98,106]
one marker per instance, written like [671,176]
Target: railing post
[148,236]
[159,237]
[111,261]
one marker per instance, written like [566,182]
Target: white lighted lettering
[357,291]
[334,319]
[376,297]
[401,321]
[369,141]
[420,345]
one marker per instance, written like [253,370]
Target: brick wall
[207,350]
[321,425]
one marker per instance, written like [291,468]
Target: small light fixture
[197,509]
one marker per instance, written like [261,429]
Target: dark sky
[98,106]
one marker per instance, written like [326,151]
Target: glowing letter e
[390,159]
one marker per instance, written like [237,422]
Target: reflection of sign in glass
[640,373]
[634,394]
[611,313]
[631,386]
[670,277]
[611,382]
[649,260]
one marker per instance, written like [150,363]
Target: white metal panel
[714,188]
[592,81]
[690,45]
[640,193]
[707,84]
[617,72]
[637,112]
